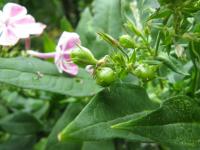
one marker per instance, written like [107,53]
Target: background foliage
[39,106]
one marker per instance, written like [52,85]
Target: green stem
[147,44]
[121,49]
[157,43]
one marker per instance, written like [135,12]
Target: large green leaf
[71,111]
[115,104]
[175,122]
[37,74]
[104,16]
[20,123]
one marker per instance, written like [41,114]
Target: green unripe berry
[127,41]
[105,76]
[145,72]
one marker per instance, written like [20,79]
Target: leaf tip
[60,137]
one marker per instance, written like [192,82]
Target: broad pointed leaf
[177,121]
[117,103]
[37,74]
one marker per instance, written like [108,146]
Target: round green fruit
[105,76]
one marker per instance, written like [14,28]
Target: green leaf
[71,111]
[181,147]
[176,122]
[48,43]
[15,101]
[104,16]
[3,111]
[20,123]
[100,145]
[19,143]
[37,74]
[65,25]
[172,64]
[41,144]
[117,103]
[161,13]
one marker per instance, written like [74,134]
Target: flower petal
[70,68]
[8,37]
[26,25]
[25,30]
[36,28]
[14,10]
[1,16]
[67,41]
[64,63]
[26,19]
[67,67]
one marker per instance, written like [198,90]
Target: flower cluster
[16,24]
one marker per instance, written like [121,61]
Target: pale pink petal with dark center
[62,59]
[66,43]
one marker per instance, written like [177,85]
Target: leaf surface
[119,102]
[175,122]
[37,74]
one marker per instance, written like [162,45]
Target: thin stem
[157,43]
[27,43]
[147,44]
[41,55]
[121,49]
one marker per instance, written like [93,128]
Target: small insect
[39,75]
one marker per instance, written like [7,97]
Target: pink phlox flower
[16,24]
[67,42]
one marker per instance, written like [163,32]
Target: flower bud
[127,41]
[105,76]
[82,57]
